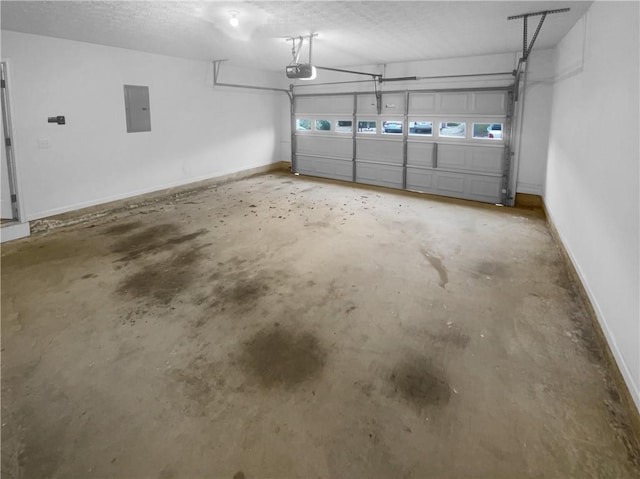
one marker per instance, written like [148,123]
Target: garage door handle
[434,157]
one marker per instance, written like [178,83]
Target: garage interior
[422,263]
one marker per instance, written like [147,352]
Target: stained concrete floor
[281,327]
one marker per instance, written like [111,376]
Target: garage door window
[421,128]
[369,127]
[487,131]
[344,126]
[392,127]
[323,125]
[453,130]
[303,125]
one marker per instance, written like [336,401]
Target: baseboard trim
[622,388]
[528,200]
[144,198]
[13,231]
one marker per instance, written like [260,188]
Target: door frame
[10,147]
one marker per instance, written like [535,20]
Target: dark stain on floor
[162,281]
[152,240]
[451,337]
[420,383]
[241,286]
[152,235]
[277,357]
[176,240]
[245,291]
[123,228]
[583,327]
[239,475]
[439,267]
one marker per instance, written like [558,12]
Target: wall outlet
[44,143]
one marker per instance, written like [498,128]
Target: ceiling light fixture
[314,74]
[233,21]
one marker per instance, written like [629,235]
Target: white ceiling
[350,32]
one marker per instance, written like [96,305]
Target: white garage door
[450,143]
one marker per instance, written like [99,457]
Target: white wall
[533,151]
[593,187]
[536,93]
[197,132]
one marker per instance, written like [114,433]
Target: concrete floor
[281,326]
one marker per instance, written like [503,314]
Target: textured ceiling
[350,33]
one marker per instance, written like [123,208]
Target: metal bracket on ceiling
[296,46]
[217,64]
[216,69]
[526,46]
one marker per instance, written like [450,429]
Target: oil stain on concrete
[123,228]
[452,336]
[420,383]
[162,281]
[439,267]
[279,357]
[244,291]
[240,285]
[154,239]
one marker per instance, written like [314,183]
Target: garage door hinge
[7,142]
[3,84]
[14,198]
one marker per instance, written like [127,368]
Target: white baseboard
[13,231]
[250,170]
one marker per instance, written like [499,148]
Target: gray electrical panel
[136,102]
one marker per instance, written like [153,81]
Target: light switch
[44,143]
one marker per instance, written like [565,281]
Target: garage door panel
[367,105]
[453,156]
[472,158]
[490,103]
[422,103]
[420,180]
[339,104]
[325,167]
[454,103]
[341,147]
[450,182]
[393,103]
[460,185]
[386,151]
[488,160]
[420,154]
[488,187]
[381,175]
